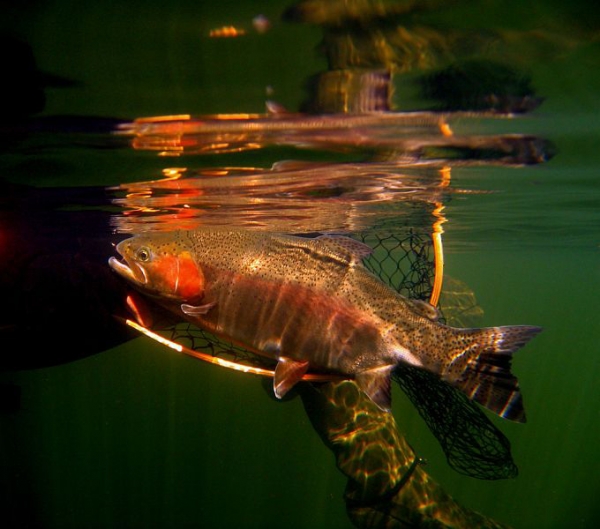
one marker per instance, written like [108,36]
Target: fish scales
[283,310]
[288,320]
[309,303]
[287,260]
[314,270]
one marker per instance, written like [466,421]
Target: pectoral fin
[375,383]
[139,309]
[287,373]
[196,310]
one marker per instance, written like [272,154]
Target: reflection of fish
[311,304]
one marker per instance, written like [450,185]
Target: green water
[139,436]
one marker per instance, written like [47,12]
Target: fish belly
[291,320]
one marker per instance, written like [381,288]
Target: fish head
[161,266]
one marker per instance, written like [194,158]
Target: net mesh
[472,444]
[405,263]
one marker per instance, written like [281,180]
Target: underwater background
[139,436]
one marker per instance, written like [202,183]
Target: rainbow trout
[311,304]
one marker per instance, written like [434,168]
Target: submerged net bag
[472,444]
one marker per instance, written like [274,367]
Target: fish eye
[143,255]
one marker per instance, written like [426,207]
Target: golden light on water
[226,32]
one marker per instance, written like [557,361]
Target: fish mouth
[129,270]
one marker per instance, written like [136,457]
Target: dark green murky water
[138,436]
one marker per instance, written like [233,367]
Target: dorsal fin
[276,109]
[425,309]
[346,245]
[292,165]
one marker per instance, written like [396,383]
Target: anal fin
[376,384]
[287,373]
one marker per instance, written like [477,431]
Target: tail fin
[486,377]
